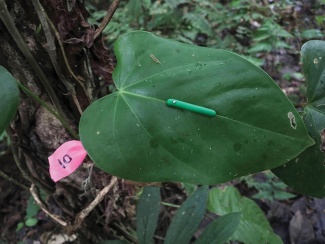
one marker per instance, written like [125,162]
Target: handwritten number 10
[66,159]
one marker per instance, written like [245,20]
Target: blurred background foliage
[248,27]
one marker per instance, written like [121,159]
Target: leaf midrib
[223,117]
[196,170]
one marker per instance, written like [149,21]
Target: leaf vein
[196,170]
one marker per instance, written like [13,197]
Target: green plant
[243,26]
[311,33]
[270,130]
[268,38]
[186,220]
[9,94]
[253,226]
[30,219]
[268,188]
[177,145]
[305,173]
[254,122]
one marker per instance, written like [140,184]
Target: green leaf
[31,209]
[199,22]
[9,94]
[260,47]
[306,173]
[133,134]
[253,227]
[311,33]
[220,230]
[187,218]
[256,61]
[31,222]
[147,214]
[20,225]
[282,195]
[175,3]
[261,35]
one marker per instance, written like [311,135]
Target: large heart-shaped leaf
[9,98]
[306,173]
[133,134]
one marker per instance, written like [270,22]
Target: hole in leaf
[322,144]
[292,119]
[322,137]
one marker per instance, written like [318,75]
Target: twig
[85,212]
[57,35]
[7,20]
[107,18]
[125,232]
[170,205]
[145,16]
[15,152]
[52,52]
[18,156]
[7,177]
[40,203]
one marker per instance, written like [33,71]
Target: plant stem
[107,18]
[52,52]
[45,105]
[42,205]
[7,177]
[7,20]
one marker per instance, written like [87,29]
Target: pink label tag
[66,159]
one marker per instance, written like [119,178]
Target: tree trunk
[77,70]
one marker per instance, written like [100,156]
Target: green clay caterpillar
[190,107]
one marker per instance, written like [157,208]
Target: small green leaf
[199,22]
[133,134]
[253,227]
[31,222]
[175,3]
[147,214]
[282,195]
[19,226]
[306,173]
[187,218]
[311,33]
[220,230]
[31,209]
[9,94]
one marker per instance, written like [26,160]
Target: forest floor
[299,219]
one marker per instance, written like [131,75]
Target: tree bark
[77,67]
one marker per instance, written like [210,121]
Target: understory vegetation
[256,208]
